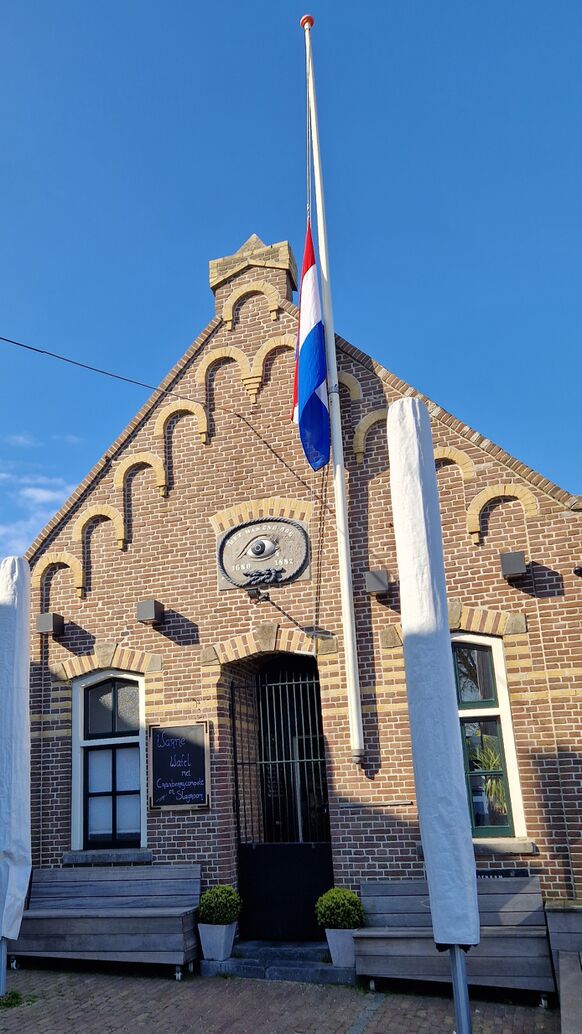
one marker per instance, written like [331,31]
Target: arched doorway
[284,848]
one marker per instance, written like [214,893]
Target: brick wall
[249,451]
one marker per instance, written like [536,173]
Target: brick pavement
[98,1003]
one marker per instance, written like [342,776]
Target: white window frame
[79,743]
[501,710]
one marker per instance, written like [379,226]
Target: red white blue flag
[310,401]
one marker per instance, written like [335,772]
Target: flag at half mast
[310,401]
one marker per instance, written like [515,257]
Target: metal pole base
[460,991]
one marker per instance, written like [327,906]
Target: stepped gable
[260,279]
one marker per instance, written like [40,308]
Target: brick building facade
[215,449]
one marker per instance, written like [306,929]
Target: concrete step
[303,951]
[251,968]
[305,971]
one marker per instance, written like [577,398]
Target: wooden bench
[514,949]
[119,914]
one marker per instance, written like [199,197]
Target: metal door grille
[279,758]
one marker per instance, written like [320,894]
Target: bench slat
[97,911]
[517,884]
[49,926]
[532,981]
[173,958]
[536,918]
[476,967]
[120,888]
[421,947]
[109,874]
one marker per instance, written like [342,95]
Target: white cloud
[44,496]
[41,503]
[39,479]
[21,441]
[67,439]
[15,538]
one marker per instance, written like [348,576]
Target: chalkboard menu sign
[179,766]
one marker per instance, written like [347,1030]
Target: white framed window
[108,804]
[491,772]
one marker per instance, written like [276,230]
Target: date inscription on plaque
[263,552]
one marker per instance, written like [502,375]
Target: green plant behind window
[487,759]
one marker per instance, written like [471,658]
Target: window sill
[485,847]
[495,847]
[123,856]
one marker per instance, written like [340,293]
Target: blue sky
[140,140]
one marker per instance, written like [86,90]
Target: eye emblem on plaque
[265,552]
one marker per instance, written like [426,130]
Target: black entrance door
[284,850]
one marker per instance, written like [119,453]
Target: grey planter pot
[341,947]
[216,941]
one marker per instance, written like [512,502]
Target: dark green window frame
[487,710]
[484,651]
[496,782]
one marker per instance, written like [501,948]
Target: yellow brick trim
[509,490]
[50,734]
[226,352]
[259,509]
[352,384]
[182,406]
[458,457]
[141,459]
[59,560]
[471,619]
[251,644]
[100,510]
[258,287]
[363,428]
[123,659]
[255,379]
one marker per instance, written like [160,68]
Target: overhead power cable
[152,387]
[93,369]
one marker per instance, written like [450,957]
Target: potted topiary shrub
[218,912]
[340,912]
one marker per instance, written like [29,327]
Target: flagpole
[343,538]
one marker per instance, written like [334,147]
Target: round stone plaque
[265,552]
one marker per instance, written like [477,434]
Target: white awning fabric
[15,857]
[445,826]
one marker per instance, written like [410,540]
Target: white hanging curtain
[15,860]
[437,754]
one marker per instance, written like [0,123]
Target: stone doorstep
[274,951]
[275,960]
[296,970]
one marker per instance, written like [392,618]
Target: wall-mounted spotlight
[150,612]
[513,564]
[50,624]
[377,582]
[578,571]
[257,595]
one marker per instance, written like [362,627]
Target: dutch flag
[310,402]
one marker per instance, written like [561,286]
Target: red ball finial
[307,19]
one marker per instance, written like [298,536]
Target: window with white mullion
[109,805]
[487,734]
